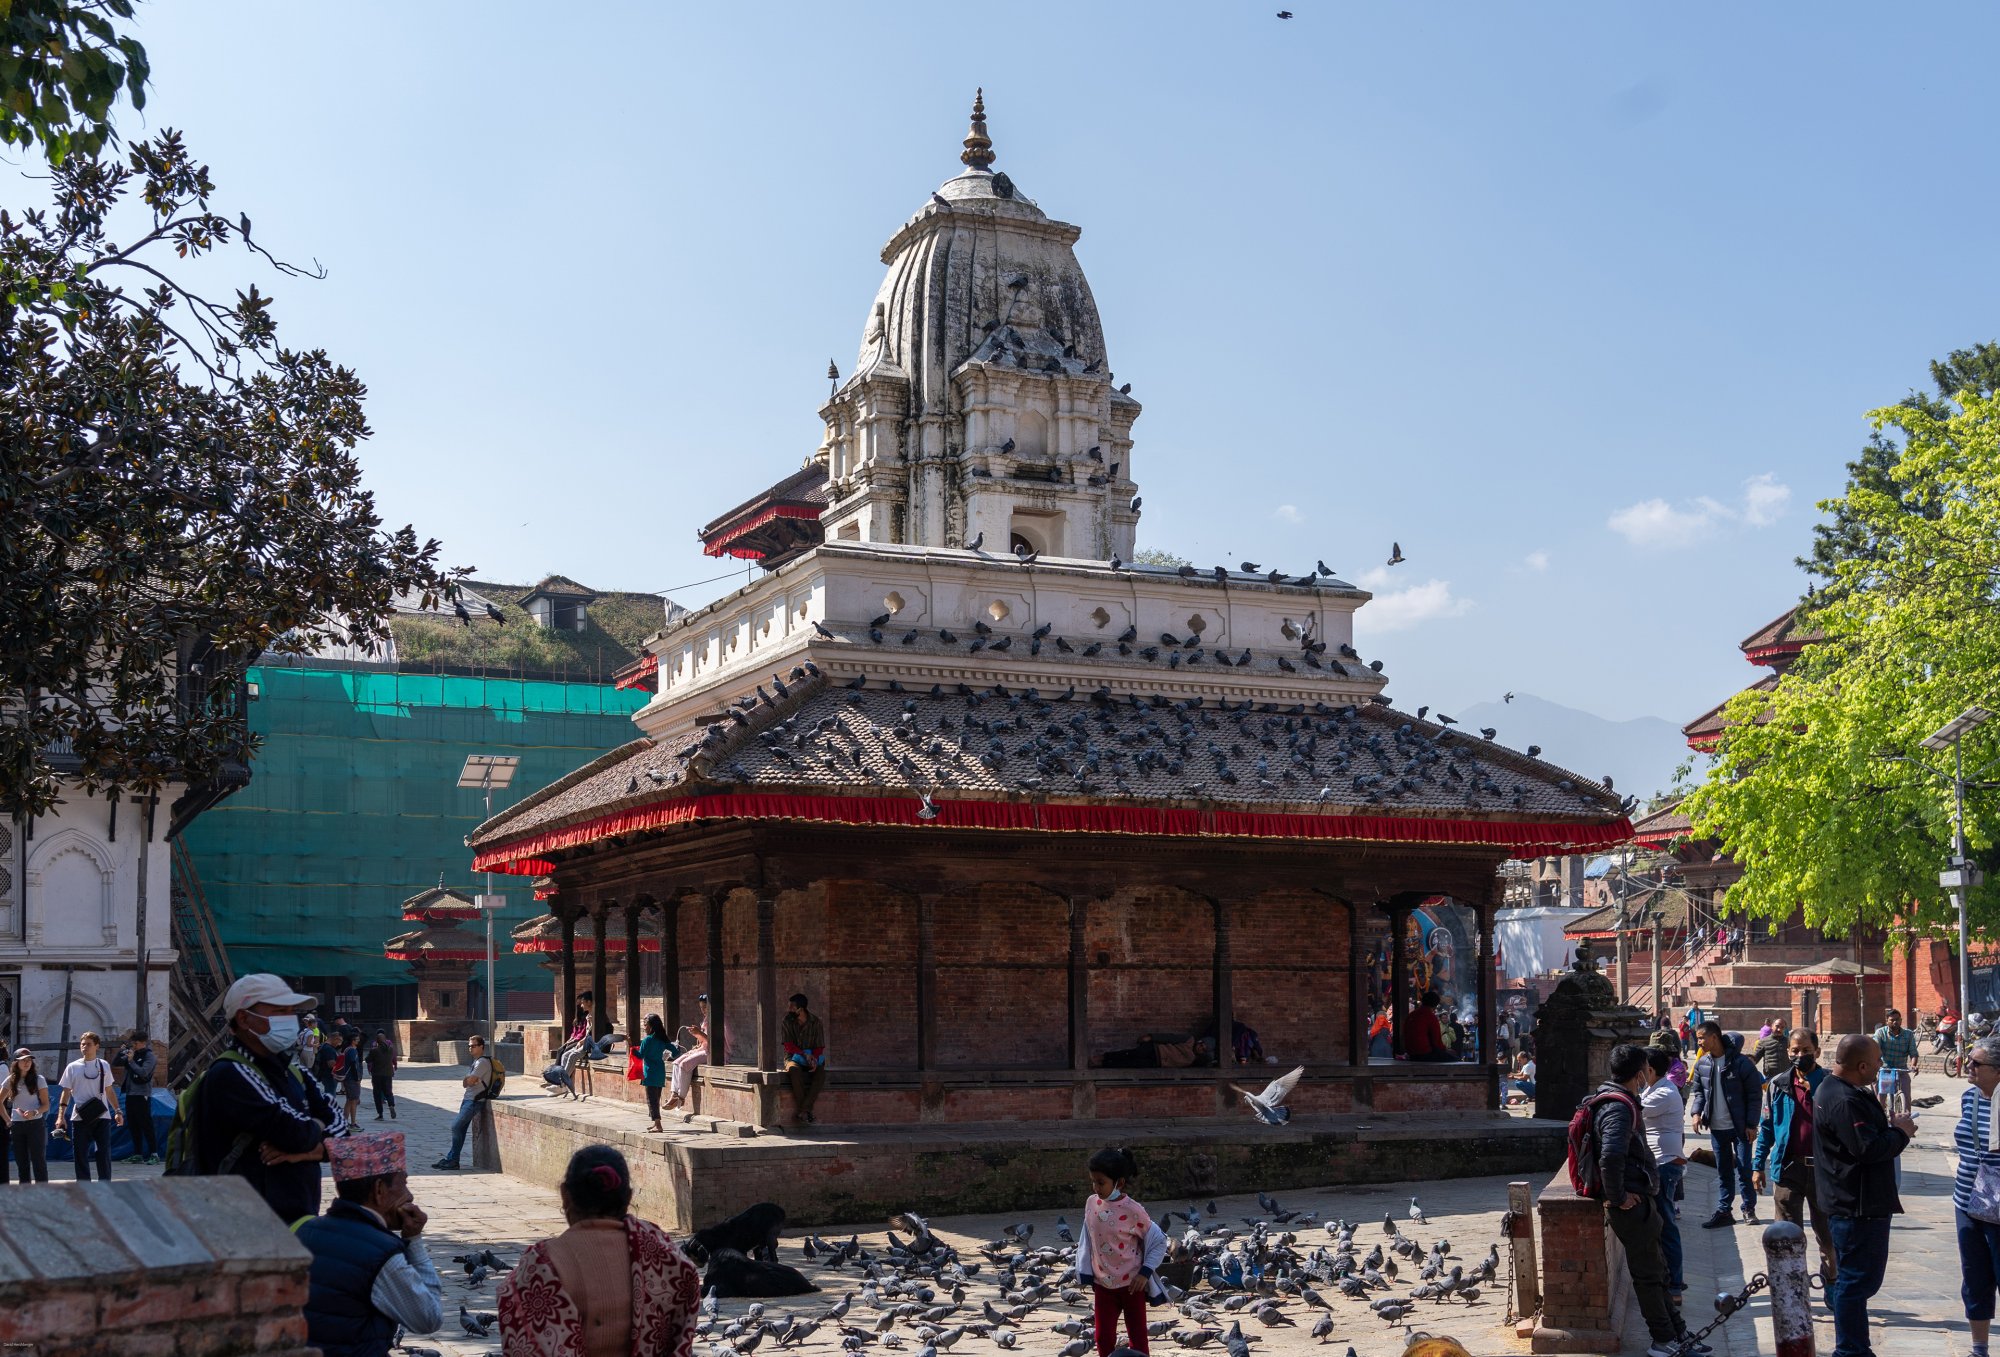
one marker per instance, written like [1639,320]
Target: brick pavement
[1918,1310]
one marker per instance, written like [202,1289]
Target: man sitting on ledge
[1426,1038]
[804,1038]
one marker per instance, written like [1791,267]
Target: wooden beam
[926,982]
[1399,975]
[568,1015]
[670,963]
[1079,984]
[600,963]
[718,1026]
[1357,983]
[767,983]
[633,1030]
[1489,1016]
[1225,999]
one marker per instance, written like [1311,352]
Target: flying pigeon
[1269,1106]
[1396,556]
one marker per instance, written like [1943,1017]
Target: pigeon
[478,1276]
[978,541]
[1063,1231]
[1534,750]
[1269,1106]
[1324,571]
[1507,697]
[824,633]
[1322,1328]
[1135,502]
[472,1324]
[1282,14]
[1416,1212]
[1076,1348]
[1396,556]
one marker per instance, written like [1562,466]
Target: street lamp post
[1961,875]
[484,773]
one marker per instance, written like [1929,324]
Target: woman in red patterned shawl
[611,1285]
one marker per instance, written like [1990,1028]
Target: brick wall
[851,949]
[1288,976]
[1002,980]
[173,1267]
[1585,1288]
[1150,958]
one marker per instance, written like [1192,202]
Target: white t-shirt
[1528,1071]
[87,1079]
[1665,1116]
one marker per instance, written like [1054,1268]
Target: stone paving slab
[1918,1312]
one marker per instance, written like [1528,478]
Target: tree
[62,66]
[1820,790]
[178,491]
[1159,557]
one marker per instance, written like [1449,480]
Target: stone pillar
[1489,1016]
[718,1041]
[568,1014]
[926,981]
[1225,1000]
[767,983]
[600,983]
[633,1030]
[1659,999]
[1575,1029]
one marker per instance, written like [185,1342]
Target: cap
[262,988]
[24,1054]
[366,1156]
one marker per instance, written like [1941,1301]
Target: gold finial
[978,151]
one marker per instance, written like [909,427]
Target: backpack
[1583,1146]
[180,1156]
[495,1082]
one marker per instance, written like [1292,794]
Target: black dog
[731,1274]
[752,1231]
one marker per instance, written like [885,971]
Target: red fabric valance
[720,544]
[585,943]
[1522,840]
[637,673]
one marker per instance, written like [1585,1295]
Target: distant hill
[1640,754]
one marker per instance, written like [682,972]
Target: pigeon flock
[1230,1285]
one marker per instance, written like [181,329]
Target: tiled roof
[1639,907]
[435,943]
[806,486]
[1657,826]
[1778,638]
[1709,725]
[815,738]
[543,933]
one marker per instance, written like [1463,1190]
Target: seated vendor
[1164,1052]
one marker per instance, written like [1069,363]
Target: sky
[1583,305]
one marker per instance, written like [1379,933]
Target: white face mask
[283,1034]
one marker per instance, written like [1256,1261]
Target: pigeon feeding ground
[1262,1278]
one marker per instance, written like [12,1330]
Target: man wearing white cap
[255,1113]
[371,1271]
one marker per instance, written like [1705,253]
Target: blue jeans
[1670,1224]
[1979,1256]
[1732,1161]
[1863,1246]
[467,1110]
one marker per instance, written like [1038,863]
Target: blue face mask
[1116,1193]
[283,1034]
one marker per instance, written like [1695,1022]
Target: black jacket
[269,1100]
[1625,1162]
[1742,1087]
[1854,1152]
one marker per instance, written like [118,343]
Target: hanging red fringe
[1523,840]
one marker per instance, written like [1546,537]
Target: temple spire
[978,151]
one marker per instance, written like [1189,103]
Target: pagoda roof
[543,933]
[1705,731]
[438,903]
[1840,968]
[1639,906]
[866,753]
[1657,827]
[435,943]
[1778,641]
[774,524]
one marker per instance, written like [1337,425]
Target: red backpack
[1583,1146]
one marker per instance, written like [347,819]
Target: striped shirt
[1974,1134]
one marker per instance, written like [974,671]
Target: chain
[1726,1304]
[1507,1222]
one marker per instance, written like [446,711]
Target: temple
[1002,803]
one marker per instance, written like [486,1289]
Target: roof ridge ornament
[978,151]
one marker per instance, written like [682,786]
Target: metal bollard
[1791,1294]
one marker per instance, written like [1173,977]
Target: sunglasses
[1981,1065]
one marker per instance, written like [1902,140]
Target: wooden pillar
[633,1030]
[568,1014]
[1489,1017]
[718,1027]
[1079,986]
[1225,1002]
[1357,983]
[1399,975]
[767,983]
[670,964]
[926,982]
[599,971]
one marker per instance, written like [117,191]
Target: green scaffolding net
[353,806]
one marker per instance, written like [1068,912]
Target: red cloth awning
[638,674]
[729,542]
[1521,839]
